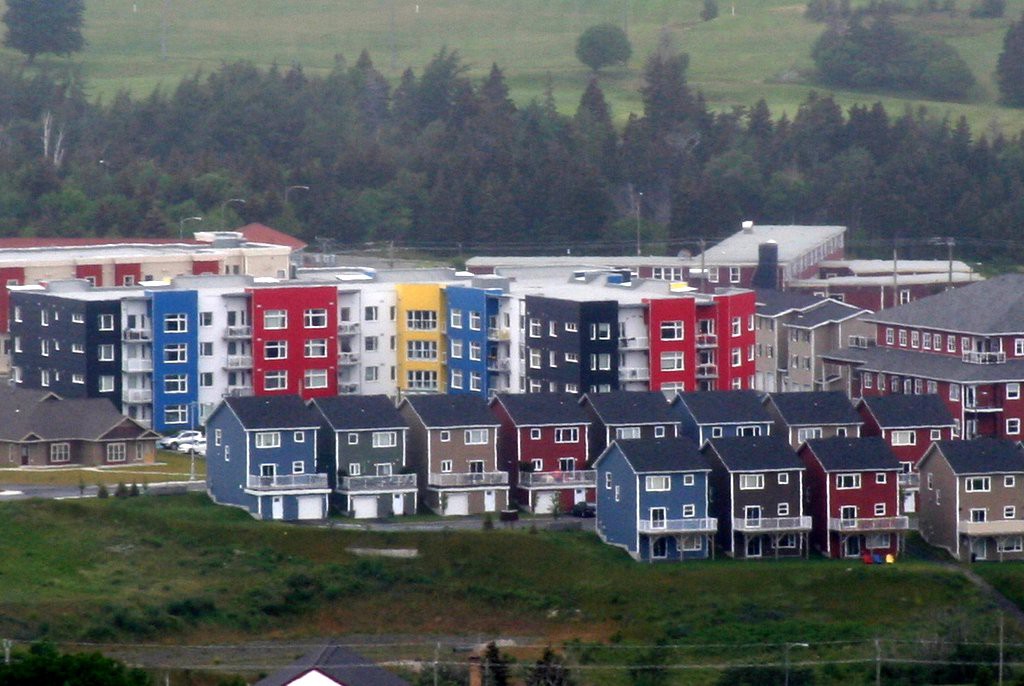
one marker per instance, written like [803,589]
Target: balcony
[238,332]
[495,334]
[582,477]
[703,525]
[772,524]
[394,482]
[348,358]
[998,527]
[707,340]
[633,343]
[137,335]
[707,371]
[453,479]
[237,391]
[860,342]
[287,482]
[137,395]
[634,374]
[239,362]
[135,365]
[348,388]
[910,480]
[868,524]
[496,365]
[976,357]
[348,328]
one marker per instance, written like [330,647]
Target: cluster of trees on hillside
[441,158]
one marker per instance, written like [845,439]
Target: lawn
[755,49]
[169,466]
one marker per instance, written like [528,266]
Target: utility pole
[878,662]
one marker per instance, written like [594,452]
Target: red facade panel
[9,276]
[127,273]
[660,312]
[206,267]
[730,308]
[93,272]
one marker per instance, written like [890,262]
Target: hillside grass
[760,51]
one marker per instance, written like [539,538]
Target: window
[445,436]
[931,387]
[1018,347]
[571,327]
[1010,544]
[904,438]
[1009,481]
[1012,391]
[1013,426]
[474,321]
[571,388]
[657,483]
[915,339]
[737,357]
[275,319]
[750,482]
[935,435]
[926,341]
[315,378]
[315,318]
[783,478]
[1009,512]
[456,378]
[116,452]
[78,378]
[456,319]
[783,510]
[474,351]
[268,439]
[456,348]
[889,336]
[474,381]
[446,466]
[176,383]
[879,509]
[737,326]
[627,432]
[807,434]
[44,377]
[371,343]
[689,510]
[602,361]
[659,432]
[601,332]
[954,392]
[978,484]
[672,331]
[421,380]
[881,477]
[572,358]
[206,319]
[355,469]
[275,380]
[217,436]
[298,467]
[106,352]
[371,374]
[175,414]
[176,353]
[535,359]
[353,438]
[688,479]
[106,322]
[385,439]
[421,320]
[979,514]
[534,328]
[672,361]
[370,313]
[903,338]
[847,481]
[60,452]
[422,350]
[175,323]
[716,432]
[206,349]
[275,350]
[534,434]
[316,347]
[567,435]
[734,274]
[477,436]
[951,343]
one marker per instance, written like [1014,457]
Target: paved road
[26,491]
[475,523]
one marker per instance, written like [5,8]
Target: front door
[579,495]
[489,501]
[754,546]
[852,547]
[979,548]
[397,504]
[277,507]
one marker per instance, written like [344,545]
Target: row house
[652,499]
[621,415]
[801,416]
[972,500]
[543,444]
[707,415]
[966,345]
[758,496]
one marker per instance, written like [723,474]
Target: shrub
[121,491]
[102,492]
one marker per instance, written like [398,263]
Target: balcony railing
[910,480]
[707,371]
[995,527]
[137,335]
[582,477]
[137,395]
[707,340]
[348,328]
[237,391]
[467,479]
[496,334]
[868,524]
[348,388]
[286,482]
[634,374]
[975,357]
[348,358]
[703,525]
[136,364]
[634,343]
[772,524]
[239,361]
[860,342]
[238,332]
[496,365]
[394,482]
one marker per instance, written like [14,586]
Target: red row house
[965,345]
[295,340]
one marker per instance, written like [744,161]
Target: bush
[121,491]
[710,10]
[988,9]
[133,491]
[603,45]
[488,523]
[102,492]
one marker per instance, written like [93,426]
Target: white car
[172,442]
[197,446]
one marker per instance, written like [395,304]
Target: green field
[760,51]
[169,466]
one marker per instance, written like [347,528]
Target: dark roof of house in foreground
[839,454]
[543,408]
[442,409]
[723,407]
[338,663]
[982,456]
[662,455]
[353,412]
[631,407]
[27,413]
[273,412]
[899,410]
[815,407]
[829,311]
[751,453]
[987,307]
[772,303]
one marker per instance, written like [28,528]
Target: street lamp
[293,188]
[181,225]
[639,199]
[786,657]
[224,209]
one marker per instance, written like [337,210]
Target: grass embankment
[761,50]
[169,466]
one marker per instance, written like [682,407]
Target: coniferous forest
[441,162]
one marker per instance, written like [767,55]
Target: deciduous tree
[602,46]
[51,26]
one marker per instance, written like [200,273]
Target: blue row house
[362,448]
[261,456]
[175,393]
[478,341]
[705,415]
[652,499]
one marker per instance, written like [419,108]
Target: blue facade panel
[226,467]
[471,313]
[175,359]
[296,453]
[616,500]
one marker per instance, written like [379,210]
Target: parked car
[584,510]
[197,446]
[172,442]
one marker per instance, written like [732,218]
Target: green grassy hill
[761,50]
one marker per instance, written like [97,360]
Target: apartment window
[175,323]
[371,374]
[889,336]
[1013,426]
[275,380]
[627,432]
[672,361]
[937,343]
[807,434]
[275,350]
[1009,512]
[298,467]
[385,439]
[60,452]
[783,478]
[474,351]
[1010,544]
[926,341]
[657,483]
[847,481]
[316,347]
[915,339]
[76,318]
[268,439]
[315,378]
[474,321]
[175,414]
[904,296]
[371,343]
[176,353]
[315,318]
[737,326]
[1009,481]
[734,274]
[421,380]
[954,392]
[1018,347]
[750,482]
[713,274]
[421,350]
[106,322]
[602,361]
[205,349]
[979,514]
[879,509]
[206,380]
[903,338]
[571,388]
[456,378]
[931,387]
[116,452]
[689,511]
[1012,391]
[534,434]
[567,435]
[867,379]
[105,383]
[176,383]
[659,432]
[446,466]
[672,331]
[950,343]
[572,358]
[456,319]
[275,319]
[457,349]
[421,320]
[601,332]
[783,510]
[78,378]
[474,381]
[935,435]
[881,477]
[355,469]
[571,327]
[904,438]
[716,432]
[978,484]
[445,436]
[105,352]
[535,359]
[477,436]
[736,357]
[370,313]
[353,438]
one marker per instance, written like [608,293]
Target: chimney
[748,226]
[766,276]
[476,677]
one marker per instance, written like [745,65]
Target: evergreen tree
[1010,66]
[35,27]
[550,670]
[44,665]
[710,10]
[596,131]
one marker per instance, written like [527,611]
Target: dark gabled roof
[982,456]
[839,454]
[662,455]
[772,303]
[906,411]
[439,409]
[273,412]
[27,414]
[827,312]
[723,407]
[926,365]
[535,409]
[341,664]
[353,412]
[630,407]
[752,453]
[815,407]
[987,307]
